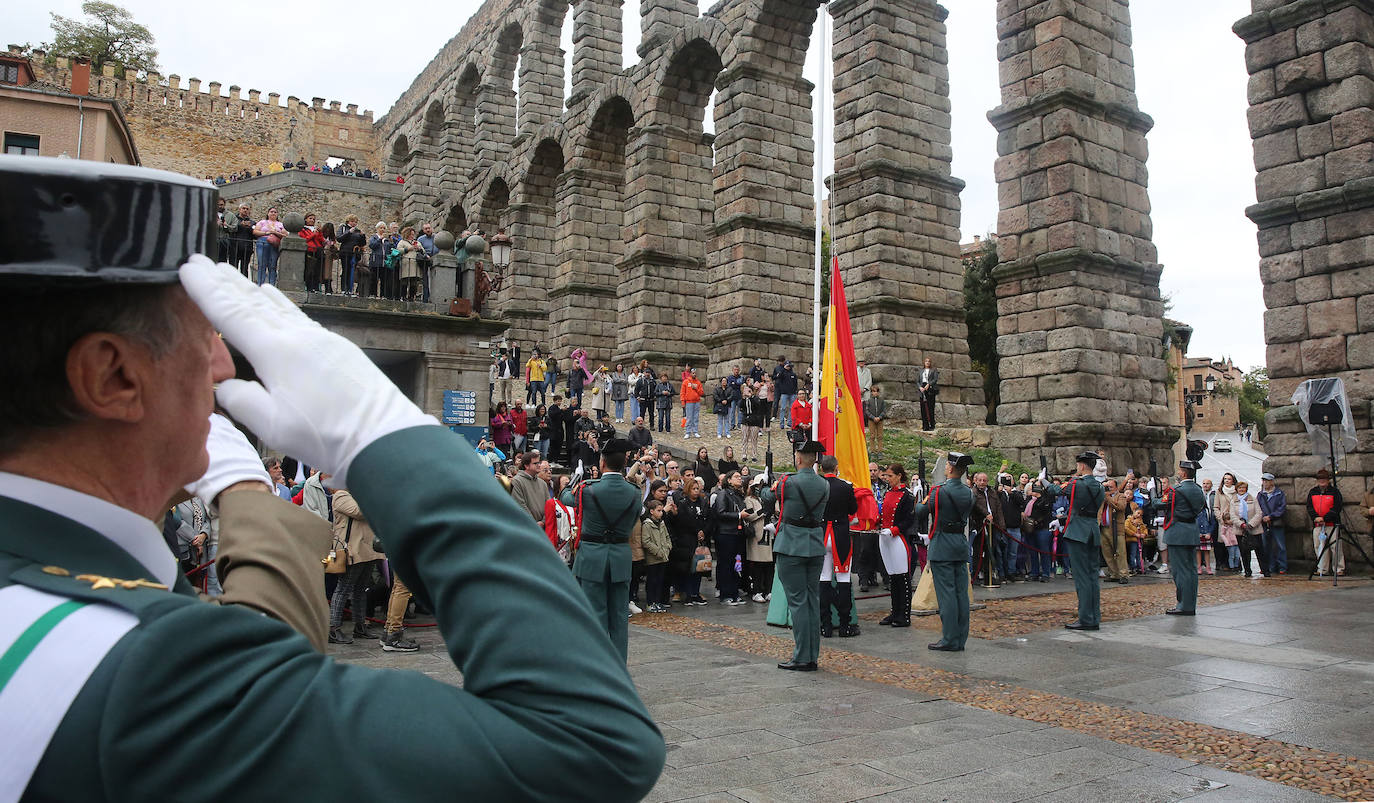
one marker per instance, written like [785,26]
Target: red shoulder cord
[1173,498]
[1072,487]
[577,515]
[935,510]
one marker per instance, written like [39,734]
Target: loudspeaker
[1323,413]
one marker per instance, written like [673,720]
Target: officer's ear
[109,376]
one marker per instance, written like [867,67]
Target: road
[1245,462]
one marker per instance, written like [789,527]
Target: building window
[9,73]
[21,144]
[1197,381]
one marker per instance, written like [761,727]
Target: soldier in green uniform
[1182,504]
[118,677]
[1083,538]
[948,506]
[607,509]
[799,552]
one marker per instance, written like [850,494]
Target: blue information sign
[460,407]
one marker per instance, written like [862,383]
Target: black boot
[894,584]
[901,601]
[827,597]
[844,603]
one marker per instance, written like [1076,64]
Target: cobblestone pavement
[1259,698]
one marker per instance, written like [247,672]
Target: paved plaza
[1270,697]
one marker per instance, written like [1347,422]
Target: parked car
[1221,445]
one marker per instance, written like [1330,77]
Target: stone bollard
[291,262]
[443,283]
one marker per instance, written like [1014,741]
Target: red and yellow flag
[839,410]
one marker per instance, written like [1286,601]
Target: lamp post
[1211,384]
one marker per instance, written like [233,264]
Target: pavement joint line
[1324,772]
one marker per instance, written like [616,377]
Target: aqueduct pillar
[1079,311]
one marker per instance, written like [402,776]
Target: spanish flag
[839,410]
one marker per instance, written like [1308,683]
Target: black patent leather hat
[78,221]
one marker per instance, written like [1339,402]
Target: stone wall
[332,198]
[1079,311]
[210,133]
[1312,119]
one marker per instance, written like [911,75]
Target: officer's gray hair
[829,463]
[40,325]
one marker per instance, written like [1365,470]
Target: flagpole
[824,24]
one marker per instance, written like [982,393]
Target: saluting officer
[799,552]
[606,511]
[1083,539]
[120,683]
[1182,504]
[949,506]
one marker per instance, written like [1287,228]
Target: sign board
[460,407]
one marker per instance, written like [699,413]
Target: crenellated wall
[205,129]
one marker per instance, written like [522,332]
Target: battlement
[130,84]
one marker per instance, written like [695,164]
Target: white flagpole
[823,22]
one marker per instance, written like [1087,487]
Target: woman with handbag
[353,546]
[728,507]
[369,274]
[1245,512]
[687,516]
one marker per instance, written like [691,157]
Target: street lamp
[500,251]
[1211,384]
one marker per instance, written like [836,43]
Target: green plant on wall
[980,315]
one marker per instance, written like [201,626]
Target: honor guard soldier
[836,589]
[799,552]
[607,510]
[1083,539]
[1182,504]
[949,506]
[115,677]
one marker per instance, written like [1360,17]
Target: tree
[980,313]
[1254,399]
[110,37]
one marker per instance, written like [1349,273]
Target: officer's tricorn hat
[812,447]
[1089,458]
[960,460]
[1190,465]
[75,221]
[617,446]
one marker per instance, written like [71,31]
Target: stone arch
[683,85]
[492,208]
[533,224]
[761,256]
[432,126]
[497,98]
[456,221]
[460,152]
[541,65]
[399,157]
[591,237]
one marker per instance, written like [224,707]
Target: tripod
[1338,532]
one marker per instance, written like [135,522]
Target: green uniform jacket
[802,542]
[619,498]
[209,703]
[1180,514]
[952,502]
[1087,495]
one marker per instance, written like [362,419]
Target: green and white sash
[49,646]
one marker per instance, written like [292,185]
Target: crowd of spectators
[345,168]
[392,262]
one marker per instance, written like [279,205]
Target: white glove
[320,398]
[771,529]
[1043,476]
[232,460]
[886,531]
[925,538]
[1150,486]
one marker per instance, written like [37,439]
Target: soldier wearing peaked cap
[1182,504]
[949,505]
[1083,539]
[607,509]
[799,552]
[112,322]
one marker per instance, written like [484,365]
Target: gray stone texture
[1312,119]
[896,205]
[1079,310]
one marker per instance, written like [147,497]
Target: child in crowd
[657,544]
[1136,531]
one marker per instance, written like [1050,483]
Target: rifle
[921,463]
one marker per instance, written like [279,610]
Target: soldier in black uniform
[837,590]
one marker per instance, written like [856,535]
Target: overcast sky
[1190,73]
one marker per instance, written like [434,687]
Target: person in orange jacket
[691,405]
